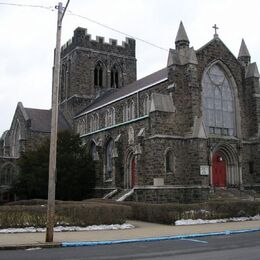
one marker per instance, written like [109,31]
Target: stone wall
[170,194]
[79,57]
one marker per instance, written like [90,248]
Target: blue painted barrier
[152,239]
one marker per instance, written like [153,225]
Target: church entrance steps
[231,193]
[111,194]
[121,195]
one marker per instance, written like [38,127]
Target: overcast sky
[28,37]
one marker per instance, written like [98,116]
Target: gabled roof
[117,94]
[40,120]
[5,133]
[218,41]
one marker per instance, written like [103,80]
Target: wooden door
[219,173]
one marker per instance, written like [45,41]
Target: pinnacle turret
[252,71]
[181,40]
[243,55]
[243,51]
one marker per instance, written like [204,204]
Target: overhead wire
[117,31]
[28,5]
[51,8]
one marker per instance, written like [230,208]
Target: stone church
[173,136]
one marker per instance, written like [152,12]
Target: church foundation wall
[170,194]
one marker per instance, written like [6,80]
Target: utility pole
[54,127]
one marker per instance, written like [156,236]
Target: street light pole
[54,128]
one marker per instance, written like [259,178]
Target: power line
[89,19]
[115,30]
[26,5]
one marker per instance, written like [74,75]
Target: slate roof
[41,120]
[115,94]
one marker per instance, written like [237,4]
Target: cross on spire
[215,28]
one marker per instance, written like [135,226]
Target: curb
[28,246]
[153,239]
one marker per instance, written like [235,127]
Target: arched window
[93,151]
[16,149]
[131,109]
[94,122]
[146,104]
[169,161]
[110,117]
[7,174]
[125,112]
[114,77]
[109,162]
[98,75]
[81,126]
[218,102]
[113,116]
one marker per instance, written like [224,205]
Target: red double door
[219,170]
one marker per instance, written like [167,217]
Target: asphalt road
[241,246]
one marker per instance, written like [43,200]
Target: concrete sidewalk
[142,230]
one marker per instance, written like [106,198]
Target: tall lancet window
[218,102]
[109,161]
[146,104]
[98,75]
[114,77]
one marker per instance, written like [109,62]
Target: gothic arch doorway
[225,167]
[130,174]
[219,170]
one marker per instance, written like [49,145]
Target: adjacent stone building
[174,135]
[28,129]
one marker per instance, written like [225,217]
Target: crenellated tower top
[82,39]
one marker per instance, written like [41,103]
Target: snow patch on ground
[184,222]
[66,229]
[33,248]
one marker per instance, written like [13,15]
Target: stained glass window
[218,103]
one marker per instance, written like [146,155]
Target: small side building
[28,129]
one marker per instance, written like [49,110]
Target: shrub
[169,213]
[75,170]
[70,213]
[92,214]
[27,202]
[22,216]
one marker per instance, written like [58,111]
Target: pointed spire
[181,40]
[243,55]
[243,51]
